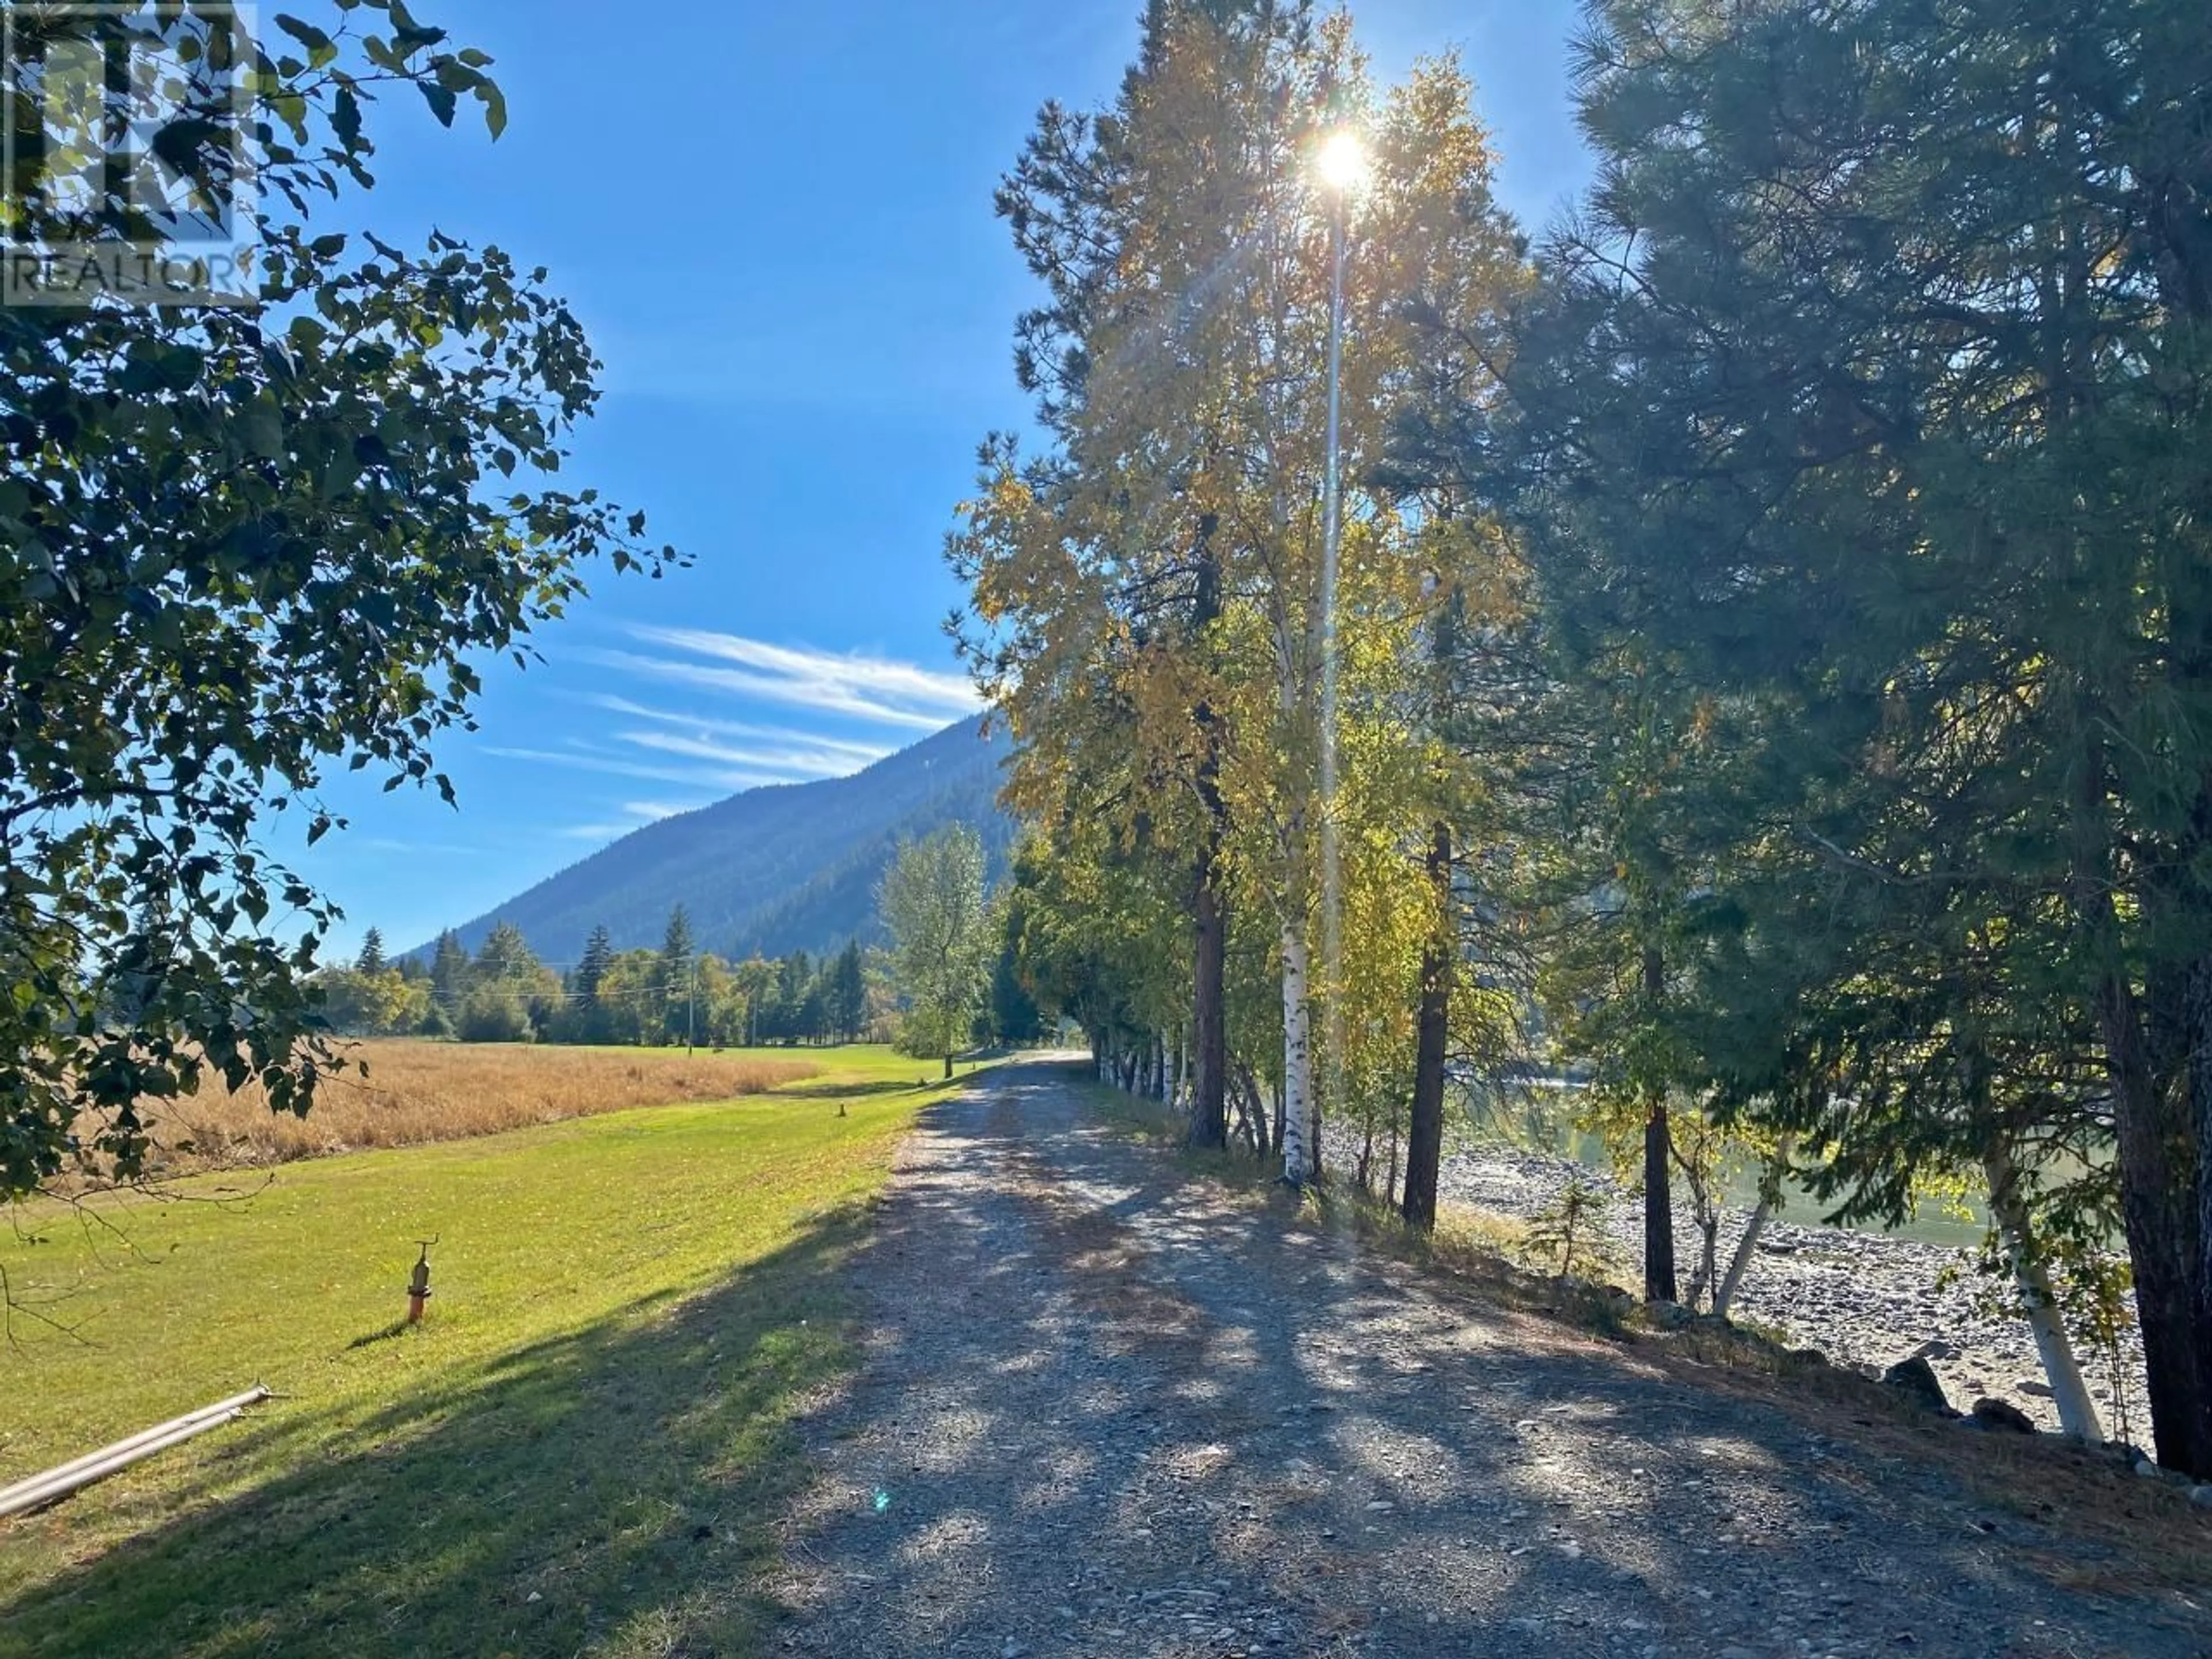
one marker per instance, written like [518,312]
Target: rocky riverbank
[1864,1299]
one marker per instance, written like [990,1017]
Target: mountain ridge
[770,869]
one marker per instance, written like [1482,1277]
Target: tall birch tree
[1156,575]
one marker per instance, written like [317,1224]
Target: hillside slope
[790,867]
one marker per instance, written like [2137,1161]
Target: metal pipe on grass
[60,1482]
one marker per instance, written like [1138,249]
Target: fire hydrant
[418,1283]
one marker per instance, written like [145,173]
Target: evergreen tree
[785,1007]
[755,980]
[450,972]
[1871,394]
[505,953]
[587,1015]
[371,959]
[848,993]
[814,1008]
[506,961]
[592,968]
[674,980]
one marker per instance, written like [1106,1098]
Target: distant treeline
[505,993]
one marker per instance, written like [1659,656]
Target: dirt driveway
[1111,1409]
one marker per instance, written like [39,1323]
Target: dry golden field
[419,1091]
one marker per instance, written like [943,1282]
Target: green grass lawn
[581,1450]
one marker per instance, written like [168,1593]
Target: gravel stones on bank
[1866,1300]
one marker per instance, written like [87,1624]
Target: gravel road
[1112,1408]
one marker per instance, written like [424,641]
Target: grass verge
[581,1450]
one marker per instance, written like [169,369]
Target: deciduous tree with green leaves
[239,549]
[1148,594]
[934,907]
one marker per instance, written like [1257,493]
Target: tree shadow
[1122,1411]
[843,1090]
[613,1489]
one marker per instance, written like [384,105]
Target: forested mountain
[786,867]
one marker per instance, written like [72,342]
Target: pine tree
[450,972]
[505,954]
[1871,394]
[371,959]
[592,968]
[848,993]
[674,980]
[588,1014]
[506,961]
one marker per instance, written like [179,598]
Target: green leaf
[346,118]
[441,101]
[321,49]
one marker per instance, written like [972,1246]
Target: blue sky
[778,232]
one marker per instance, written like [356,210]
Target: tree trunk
[1299,1162]
[1658,1191]
[1209,1122]
[1424,1139]
[1724,1296]
[1209,1017]
[2199,1073]
[2077,1412]
[2154,1126]
[1253,1103]
[948,1065]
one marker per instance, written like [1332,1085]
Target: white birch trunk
[1742,1260]
[2077,1412]
[1297,1056]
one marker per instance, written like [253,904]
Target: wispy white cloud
[806,761]
[652,811]
[872,688]
[712,752]
[857,753]
[637,815]
[703,777]
[412,848]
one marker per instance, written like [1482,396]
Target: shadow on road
[1114,1409]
